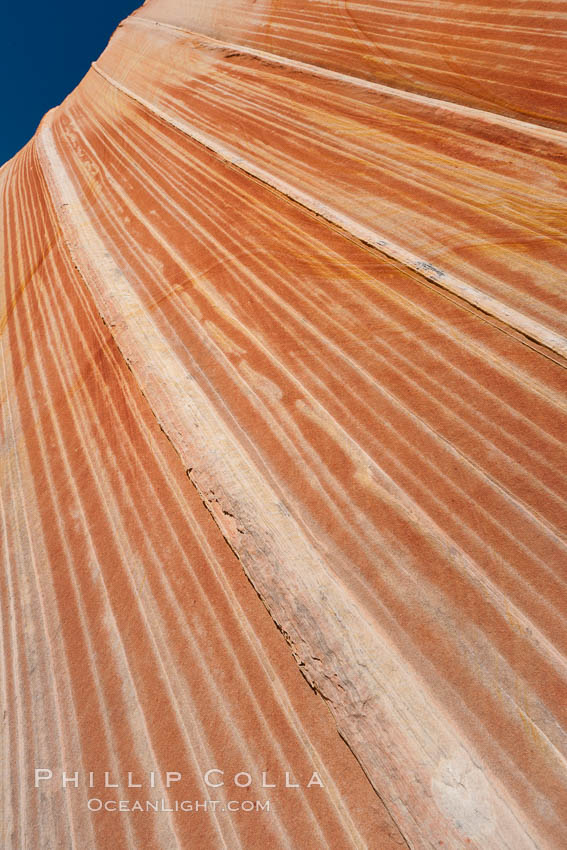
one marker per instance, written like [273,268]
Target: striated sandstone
[283,274]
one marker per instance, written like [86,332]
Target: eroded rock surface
[263,286]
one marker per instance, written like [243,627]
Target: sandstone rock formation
[290,277]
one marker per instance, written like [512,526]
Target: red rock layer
[343,306]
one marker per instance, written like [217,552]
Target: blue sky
[45,51]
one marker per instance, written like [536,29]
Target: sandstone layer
[291,277]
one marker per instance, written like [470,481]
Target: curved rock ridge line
[252,302]
[131,641]
[496,237]
[308,603]
[508,59]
